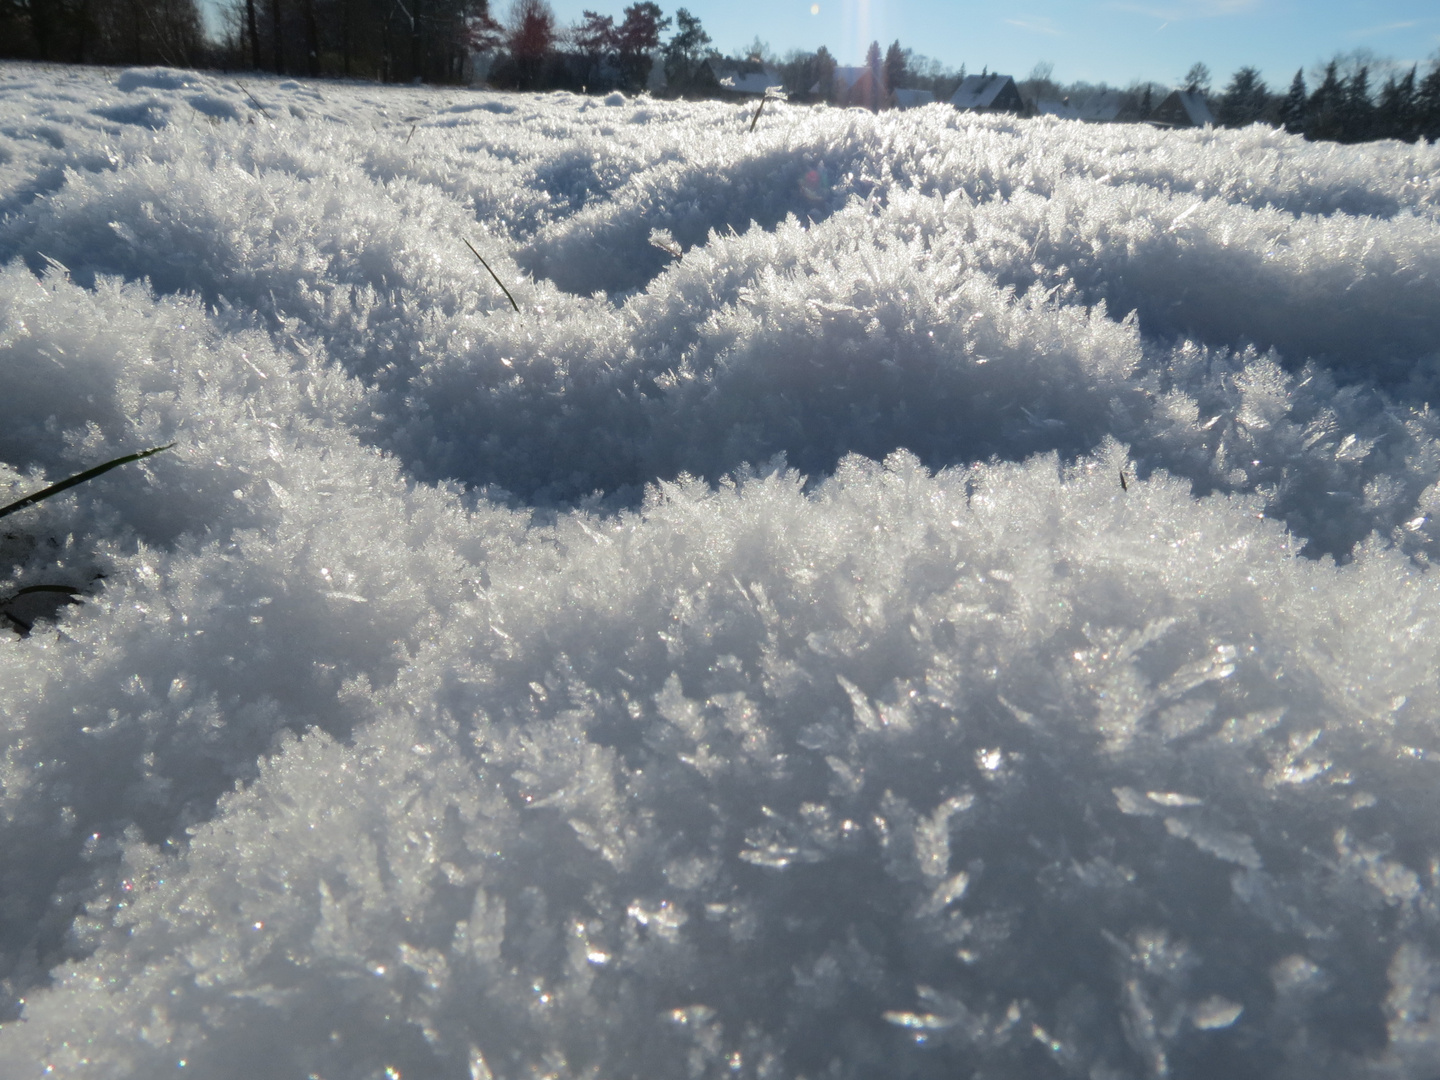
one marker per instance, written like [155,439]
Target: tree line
[390,40]
[1342,108]
[443,41]
[104,31]
[1345,104]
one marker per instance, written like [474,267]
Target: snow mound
[904,595]
[133,79]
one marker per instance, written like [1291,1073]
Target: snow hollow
[906,595]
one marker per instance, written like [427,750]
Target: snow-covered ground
[906,595]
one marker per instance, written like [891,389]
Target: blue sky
[1115,41]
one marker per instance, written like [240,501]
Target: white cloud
[1208,9]
[1386,28]
[1036,24]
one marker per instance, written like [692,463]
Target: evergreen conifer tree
[636,39]
[1427,105]
[1323,117]
[897,73]
[1245,99]
[825,65]
[875,98]
[1292,111]
[1357,111]
[594,37]
[685,52]
[1395,113]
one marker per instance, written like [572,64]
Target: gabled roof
[1102,108]
[858,86]
[846,77]
[1062,109]
[757,82]
[744,78]
[913,99]
[982,91]
[1183,108]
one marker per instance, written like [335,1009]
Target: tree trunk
[41,26]
[416,51]
[275,32]
[312,40]
[345,37]
[84,25]
[254,34]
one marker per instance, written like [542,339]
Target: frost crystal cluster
[907,596]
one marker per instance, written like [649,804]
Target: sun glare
[858,29]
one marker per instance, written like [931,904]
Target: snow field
[749,663]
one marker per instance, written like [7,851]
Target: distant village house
[912,99]
[743,78]
[1106,107]
[988,93]
[1183,109]
[1061,110]
[858,87]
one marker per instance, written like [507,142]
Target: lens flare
[815,184]
[859,27]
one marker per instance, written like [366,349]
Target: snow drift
[907,595]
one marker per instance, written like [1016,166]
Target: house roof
[846,77]
[745,78]
[757,82]
[1102,108]
[1062,109]
[980,91]
[913,99]
[1184,108]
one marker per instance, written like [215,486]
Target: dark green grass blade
[31,590]
[68,595]
[493,275]
[252,98]
[79,478]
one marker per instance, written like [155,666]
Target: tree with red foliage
[531,39]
